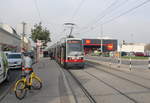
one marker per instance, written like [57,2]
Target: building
[9,40]
[108,45]
[133,47]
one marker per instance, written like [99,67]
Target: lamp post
[23,35]
[119,56]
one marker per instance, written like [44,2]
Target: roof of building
[8,28]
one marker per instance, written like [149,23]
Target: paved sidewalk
[50,74]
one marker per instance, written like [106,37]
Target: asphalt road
[6,86]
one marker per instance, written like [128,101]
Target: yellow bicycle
[24,84]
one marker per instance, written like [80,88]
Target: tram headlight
[69,58]
[81,58]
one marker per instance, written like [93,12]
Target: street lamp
[23,35]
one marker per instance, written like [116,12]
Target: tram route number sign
[73,41]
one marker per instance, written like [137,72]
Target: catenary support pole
[149,63]
[130,63]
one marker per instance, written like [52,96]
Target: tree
[38,33]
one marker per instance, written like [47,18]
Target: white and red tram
[69,52]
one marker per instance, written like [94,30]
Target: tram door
[62,56]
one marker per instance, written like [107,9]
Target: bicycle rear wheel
[36,83]
[20,89]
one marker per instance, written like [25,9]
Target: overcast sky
[88,15]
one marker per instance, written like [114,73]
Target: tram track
[114,69]
[73,92]
[92,98]
[112,87]
[85,91]
[109,85]
[113,74]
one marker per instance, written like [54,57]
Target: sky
[92,18]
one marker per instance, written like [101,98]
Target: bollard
[118,63]
[130,64]
[149,63]
[110,62]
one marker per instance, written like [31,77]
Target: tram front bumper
[75,64]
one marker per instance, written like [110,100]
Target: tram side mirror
[0,67]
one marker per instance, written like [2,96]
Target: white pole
[130,63]
[101,38]
[119,58]
[149,63]
[120,53]
[132,51]
[110,62]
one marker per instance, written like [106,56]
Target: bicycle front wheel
[36,83]
[20,89]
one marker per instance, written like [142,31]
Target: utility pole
[71,28]
[102,38]
[132,44]
[23,35]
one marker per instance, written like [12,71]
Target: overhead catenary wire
[75,13]
[37,9]
[41,18]
[126,12]
[39,13]
[104,13]
[122,14]
[77,9]
[101,14]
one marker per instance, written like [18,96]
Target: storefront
[91,45]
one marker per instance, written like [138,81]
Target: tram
[68,52]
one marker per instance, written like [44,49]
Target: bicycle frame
[24,79]
[33,75]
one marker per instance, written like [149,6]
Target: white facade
[133,47]
[8,38]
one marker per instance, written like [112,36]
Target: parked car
[15,60]
[123,54]
[139,54]
[4,69]
[147,54]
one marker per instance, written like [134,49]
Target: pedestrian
[51,55]
[27,66]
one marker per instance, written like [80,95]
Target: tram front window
[74,47]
